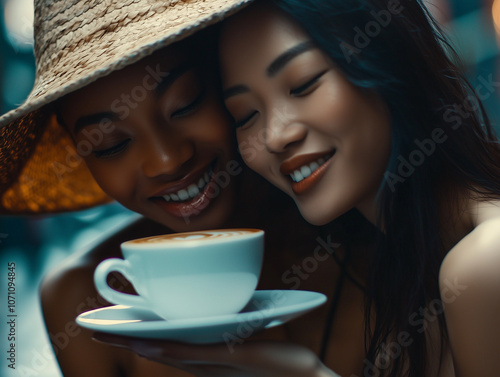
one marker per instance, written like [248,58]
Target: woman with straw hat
[123,109]
[76,43]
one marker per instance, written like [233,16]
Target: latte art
[195,237]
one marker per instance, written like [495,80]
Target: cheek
[360,120]
[366,141]
[247,152]
[341,106]
[253,152]
[257,158]
[373,138]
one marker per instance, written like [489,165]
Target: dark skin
[169,138]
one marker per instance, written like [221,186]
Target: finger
[114,340]
[144,347]
[195,353]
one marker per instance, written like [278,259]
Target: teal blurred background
[38,244]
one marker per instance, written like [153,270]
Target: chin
[214,216]
[210,218]
[319,214]
[315,217]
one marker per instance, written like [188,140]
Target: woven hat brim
[39,173]
[160,29]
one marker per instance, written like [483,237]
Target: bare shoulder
[470,284]
[68,290]
[471,272]
[477,255]
[69,286]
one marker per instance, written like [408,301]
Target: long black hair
[440,135]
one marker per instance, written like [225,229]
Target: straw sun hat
[76,43]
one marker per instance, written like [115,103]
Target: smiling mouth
[192,191]
[191,198]
[305,171]
[304,174]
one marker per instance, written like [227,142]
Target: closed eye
[303,89]
[241,123]
[113,151]
[189,108]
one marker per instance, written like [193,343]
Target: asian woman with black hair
[362,108]
[376,122]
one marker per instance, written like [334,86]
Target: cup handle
[115,297]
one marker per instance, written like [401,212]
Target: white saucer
[266,309]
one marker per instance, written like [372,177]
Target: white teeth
[297,176]
[306,170]
[183,194]
[191,191]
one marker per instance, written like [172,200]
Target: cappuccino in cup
[188,275]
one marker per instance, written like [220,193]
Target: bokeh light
[18,20]
[495,11]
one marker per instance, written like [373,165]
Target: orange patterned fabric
[52,178]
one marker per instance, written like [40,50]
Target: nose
[166,156]
[283,130]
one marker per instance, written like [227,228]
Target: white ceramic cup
[188,275]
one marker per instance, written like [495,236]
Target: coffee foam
[194,237]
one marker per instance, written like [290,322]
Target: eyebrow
[273,69]
[281,61]
[165,83]
[88,120]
